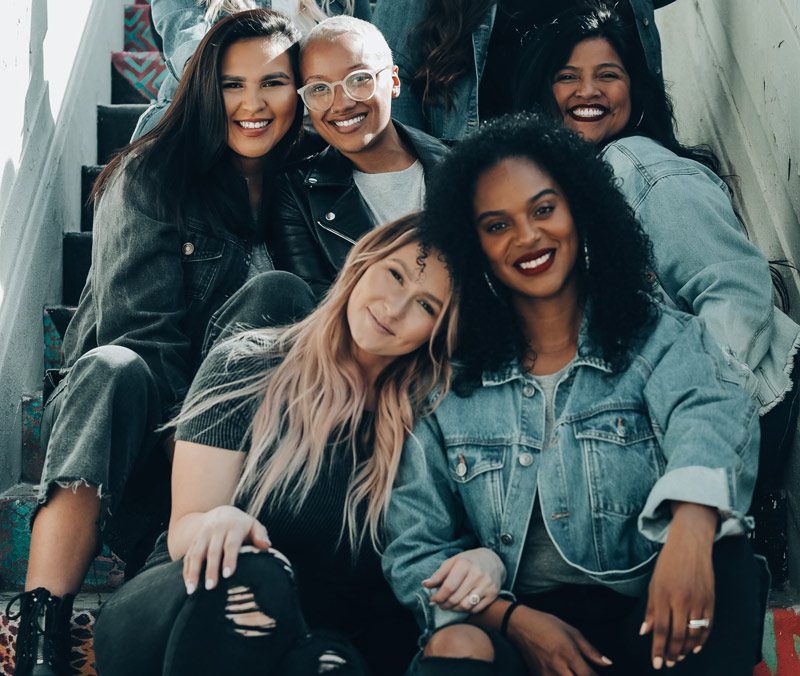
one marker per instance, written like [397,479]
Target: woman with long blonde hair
[291,437]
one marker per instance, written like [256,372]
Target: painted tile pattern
[138,33]
[32,451]
[143,71]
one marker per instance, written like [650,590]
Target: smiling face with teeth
[593,91]
[360,130]
[526,230]
[258,89]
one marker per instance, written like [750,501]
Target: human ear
[395,83]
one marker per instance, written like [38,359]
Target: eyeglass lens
[359,86]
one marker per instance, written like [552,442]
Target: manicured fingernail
[670,664]
[643,629]
[190,588]
[605,660]
[209,583]
[657,663]
[227,572]
[681,658]
[697,649]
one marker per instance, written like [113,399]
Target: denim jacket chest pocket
[621,451]
[201,256]
[476,470]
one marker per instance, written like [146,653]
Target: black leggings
[250,623]
[611,621]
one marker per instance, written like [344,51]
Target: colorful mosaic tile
[781,646]
[138,32]
[54,325]
[32,452]
[143,71]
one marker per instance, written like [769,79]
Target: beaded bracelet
[507,616]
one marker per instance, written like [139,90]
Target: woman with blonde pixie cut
[291,438]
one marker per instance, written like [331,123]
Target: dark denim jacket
[153,287]
[397,20]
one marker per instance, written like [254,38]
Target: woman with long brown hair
[291,438]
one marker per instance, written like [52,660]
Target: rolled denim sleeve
[425,525]
[137,282]
[181,27]
[708,431]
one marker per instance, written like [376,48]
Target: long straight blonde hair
[314,399]
[307,9]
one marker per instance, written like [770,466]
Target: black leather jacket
[318,212]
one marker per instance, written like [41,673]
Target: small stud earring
[586,258]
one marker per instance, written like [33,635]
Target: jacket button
[330,216]
[528,390]
[188,249]
[646,22]
[506,538]
[312,180]
[525,459]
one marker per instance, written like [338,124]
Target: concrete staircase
[136,74]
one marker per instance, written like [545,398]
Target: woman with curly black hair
[594,439]
[588,70]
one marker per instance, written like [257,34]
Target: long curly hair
[615,286]
[651,107]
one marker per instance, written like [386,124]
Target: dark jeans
[151,626]
[611,621]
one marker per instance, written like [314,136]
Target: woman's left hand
[470,576]
[682,586]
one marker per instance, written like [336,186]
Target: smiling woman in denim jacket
[590,73]
[458,58]
[178,249]
[596,440]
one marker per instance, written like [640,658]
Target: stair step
[55,320]
[139,33]
[32,452]
[136,76]
[89,174]
[77,259]
[115,124]
[17,505]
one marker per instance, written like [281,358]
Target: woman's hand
[475,573]
[682,586]
[551,647]
[223,531]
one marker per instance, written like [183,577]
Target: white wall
[735,72]
[54,69]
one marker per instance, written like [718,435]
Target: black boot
[43,638]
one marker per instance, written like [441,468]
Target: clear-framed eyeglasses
[358,85]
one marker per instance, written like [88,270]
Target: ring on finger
[702,623]
[474,599]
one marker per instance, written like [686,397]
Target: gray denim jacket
[672,426]
[397,20]
[706,265]
[154,287]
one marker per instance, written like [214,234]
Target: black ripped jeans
[250,623]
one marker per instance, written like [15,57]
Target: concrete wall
[734,66]
[54,69]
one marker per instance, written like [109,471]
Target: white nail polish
[226,572]
[209,584]
[190,588]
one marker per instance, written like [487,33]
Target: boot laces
[38,611]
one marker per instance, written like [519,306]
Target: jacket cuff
[700,485]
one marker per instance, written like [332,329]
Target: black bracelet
[507,616]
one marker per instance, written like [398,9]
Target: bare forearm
[182,532]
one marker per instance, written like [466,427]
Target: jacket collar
[330,168]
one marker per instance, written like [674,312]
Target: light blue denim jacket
[705,264]
[397,20]
[672,426]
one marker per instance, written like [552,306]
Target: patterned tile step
[16,507]
[32,451]
[136,76]
[89,174]
[115,124]
[54,324]
[781,647]
[77,258]
[139,35]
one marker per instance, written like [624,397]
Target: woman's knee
[460,641]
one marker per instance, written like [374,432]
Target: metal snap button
[188,249]
[646,22]
[461,469]
[507,538]
[330,216]
[528,390]
[525,459]
[312,180]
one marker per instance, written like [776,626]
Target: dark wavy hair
[185,160]
[651,107]
[615,286]
[445,41]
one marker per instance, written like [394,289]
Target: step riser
[136,76]
[77,259]
[115,124]
[139,36]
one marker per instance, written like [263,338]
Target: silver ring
[473,599]
[703,623]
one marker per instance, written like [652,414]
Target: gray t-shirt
[392,194]
[542,567]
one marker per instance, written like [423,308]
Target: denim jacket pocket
[619,443]
[201,256]
[477,472]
